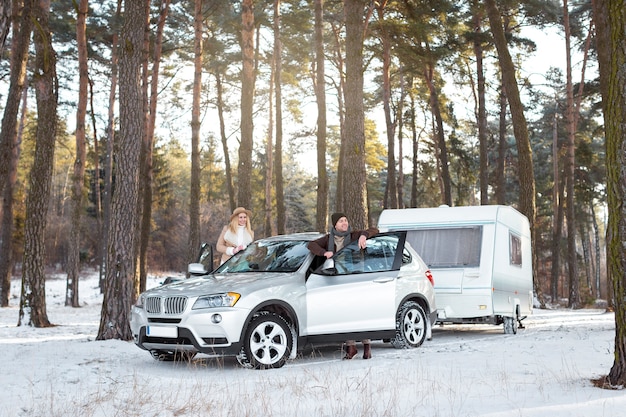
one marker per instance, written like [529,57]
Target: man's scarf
[331,238]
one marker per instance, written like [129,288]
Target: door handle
[382,280]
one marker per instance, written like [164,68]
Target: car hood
[243,283]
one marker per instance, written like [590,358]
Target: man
[341,235]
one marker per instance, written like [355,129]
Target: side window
[377,257]
[515,250]
[449,247]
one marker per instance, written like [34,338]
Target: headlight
[139,302]
[216,300]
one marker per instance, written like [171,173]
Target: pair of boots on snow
[351,349]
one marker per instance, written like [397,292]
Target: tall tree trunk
[108,160]
[610,17]
[194,195]
[557,234]
[247,98]
[391,191]
[400,113]
[9,139]
[481,113]
[415,142]
[5,22]
[502,146]
[341,93]
[119,291]
[78,179]
[354,194]
[440,136]
[570,166]
[321,217]
[33,300]
[520,129]
[220,113]
[596,240]
[278,158]
[270,226]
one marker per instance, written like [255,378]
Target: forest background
[155,119]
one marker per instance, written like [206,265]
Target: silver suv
[276,296]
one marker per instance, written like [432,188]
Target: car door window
[378,256]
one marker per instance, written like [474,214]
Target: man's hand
[362,242]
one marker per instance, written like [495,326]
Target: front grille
[166,305]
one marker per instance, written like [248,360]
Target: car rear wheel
[410,326]
[268,342]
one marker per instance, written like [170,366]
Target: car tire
[267,342]
[411,326]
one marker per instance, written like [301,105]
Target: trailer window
[449,247]
[515,250]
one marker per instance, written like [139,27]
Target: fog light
[216,318]
[482,307]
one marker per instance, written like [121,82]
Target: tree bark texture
[194,192]
[247,100]
[120,271]
[9,143]
[570,167]
[610,17]
[278,97]
[354,194]
[321,217]
[526,174]
[33,299]
[73,251]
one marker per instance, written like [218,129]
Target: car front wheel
[410,326]
[268,342]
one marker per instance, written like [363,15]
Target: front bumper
[209,331]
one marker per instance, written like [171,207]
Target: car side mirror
[196,269]
[328,267]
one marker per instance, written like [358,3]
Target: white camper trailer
[480,258]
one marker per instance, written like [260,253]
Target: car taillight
[429,275]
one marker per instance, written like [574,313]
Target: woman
[236,235]
[341,235]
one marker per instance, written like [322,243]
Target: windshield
[268,256]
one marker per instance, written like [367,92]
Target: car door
[359,293]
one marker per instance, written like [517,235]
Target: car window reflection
[264,256]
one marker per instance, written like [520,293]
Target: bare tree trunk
[341,93]
[321,216]
[247,99]
[610,17]
[278,158]
[354,194]
[520,129]
[119,291]
[440,137]
[220,113]
[10,141]
[596,240]
[400,113]
[570,166]
[557,234]
[481,114]
[5,22]
[500,176]
[108,160]
[73,258]
[33,299]
[391,191]
[415,142]
[194,195]
[269,159]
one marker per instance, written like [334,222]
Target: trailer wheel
[511,323]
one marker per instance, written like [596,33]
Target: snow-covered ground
[544,370]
